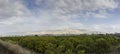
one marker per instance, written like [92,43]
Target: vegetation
[72,44]
[8,48]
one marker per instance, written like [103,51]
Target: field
[71,44]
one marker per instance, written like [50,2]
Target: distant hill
[65,31]
[57,32]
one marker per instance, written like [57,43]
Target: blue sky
[37,15]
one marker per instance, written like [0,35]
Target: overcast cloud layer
[37,15]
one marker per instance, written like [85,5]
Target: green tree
[102,46]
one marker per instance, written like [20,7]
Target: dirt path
[7,48]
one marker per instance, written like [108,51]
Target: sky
[39,15]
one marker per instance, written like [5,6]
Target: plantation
[72,44]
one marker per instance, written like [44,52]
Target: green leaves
[67,44]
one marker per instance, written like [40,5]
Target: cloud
[109,28]
[79,8]
[16,15]
[12,14]
[11,10]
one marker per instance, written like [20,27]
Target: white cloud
[80,8]
[12,9]
[106,27]
[15,16]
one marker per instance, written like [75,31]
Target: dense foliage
[80,44]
